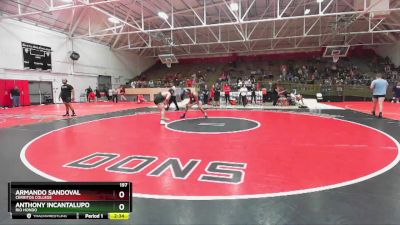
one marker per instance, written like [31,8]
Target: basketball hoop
[336,52]
[335,55]
[335,58]
[168,59]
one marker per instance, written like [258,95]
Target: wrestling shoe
[162,122]
[183,116]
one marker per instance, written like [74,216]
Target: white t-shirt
[243,91]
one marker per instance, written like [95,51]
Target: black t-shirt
[88,91]
[15,92]
[66,91]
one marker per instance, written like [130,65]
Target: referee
[172,90]
[67,95]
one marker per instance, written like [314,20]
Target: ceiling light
[67,1]
[319,1]
[114,20]
[163,15]
[307,11]
[234,6]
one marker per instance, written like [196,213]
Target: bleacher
[267,70]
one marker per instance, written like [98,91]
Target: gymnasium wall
[392,51]
[96,59]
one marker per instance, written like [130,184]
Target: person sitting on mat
[91,96]
[193,100]
[161,100]
[140,99]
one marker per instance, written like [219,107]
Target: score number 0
[121,194]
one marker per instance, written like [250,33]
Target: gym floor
[292,166]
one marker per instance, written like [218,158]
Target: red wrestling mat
[390,110]
[45,113]
[280,154]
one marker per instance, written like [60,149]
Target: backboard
[340,50]
[168,59]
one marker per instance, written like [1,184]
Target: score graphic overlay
[69,200]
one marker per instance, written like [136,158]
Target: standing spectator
[227,90]
[217,93]
[378,87]
[15,95]
[212,95]
[67,95]
[122,93]
[253,94]
[189,83]
[106,93]
[396,92]
[98,94]
[88,91]
[239,82]
[182,93]
[110,94]
[243,94]
[206,94]
[115,95]
[247,83]
[275,94]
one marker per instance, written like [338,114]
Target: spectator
[396,92]
[15,95]
[253,94]
[189,83]
[92,96]
[110,94]
[98,94]
[379,87]
[217,95]
[206,94]
[88,91]
[274,94]
[243,95]
[115,95]
[122,93]
[140,99]
[212,95]
[227,90]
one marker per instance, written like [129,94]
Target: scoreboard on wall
[36,57]
[66,200]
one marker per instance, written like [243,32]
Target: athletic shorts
[66,99]
[378,96]
[158,99]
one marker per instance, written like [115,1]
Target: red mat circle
[289,154]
